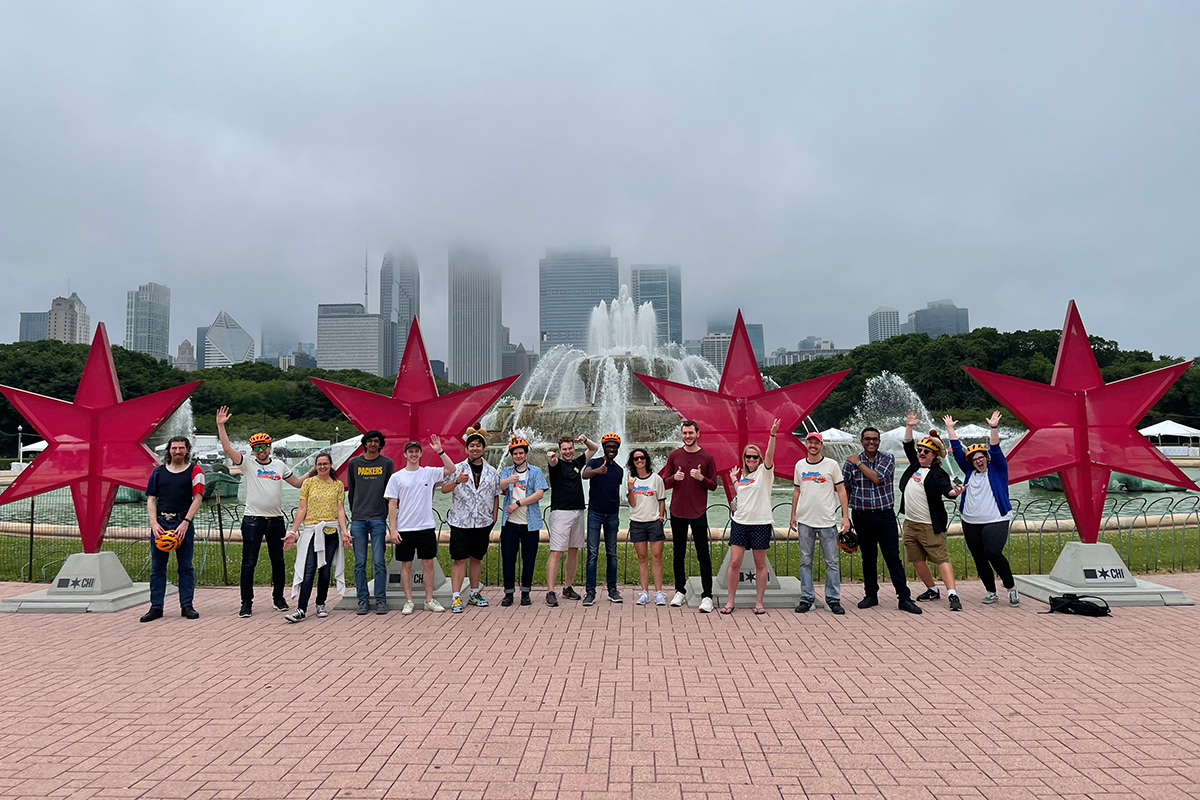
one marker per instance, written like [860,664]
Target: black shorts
[469,542]
[651,531]
[422,544]
[751,537]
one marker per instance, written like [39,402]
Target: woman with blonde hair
[753,522]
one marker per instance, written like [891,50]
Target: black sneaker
[551,599]
[508,599]
[245,612]
[908,605]
[281,606]
[589,598]
[929,594]
[955,603]
[570,593]
[151,615]
[803,606]
[381,607]
[187,612]
[525,599]
[363,608]
[614,596]
[835,607]
[296,616]
[870,601]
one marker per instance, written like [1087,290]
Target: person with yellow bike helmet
[922,488]
[985,509]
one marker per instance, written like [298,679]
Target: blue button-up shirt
[864,494]
[534,480]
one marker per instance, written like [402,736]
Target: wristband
[440,453]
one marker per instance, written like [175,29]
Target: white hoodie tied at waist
[309,533]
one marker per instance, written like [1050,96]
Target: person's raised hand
[461,477]
[603,468]
[994,419]
[911,419]
[223,415]
[695,473]
[950,422]
[775,427]
[629,483]
[678,476]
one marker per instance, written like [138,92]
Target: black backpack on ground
[1084,605]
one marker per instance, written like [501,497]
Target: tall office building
[68,320]
[516,360]
[226,343]
[573,281]
[753,330]
[185,357]
[350,338]
[399,302]
[883,323]
[714,347]
[35,326]
[659,285]
[476,338]
[277,340]
[148,320]
[201,335]
[940,318]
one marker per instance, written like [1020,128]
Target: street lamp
[20,446]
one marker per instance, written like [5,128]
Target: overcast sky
[804,162]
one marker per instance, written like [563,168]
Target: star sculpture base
[782,591]
[1097,569]
[395,588]
[87,582]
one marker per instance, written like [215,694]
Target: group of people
[390,505]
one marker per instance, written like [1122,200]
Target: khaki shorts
[567,529]
[922,544]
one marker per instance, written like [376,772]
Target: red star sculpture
[94,444]
[740,412]
[414,411]
[1083,428]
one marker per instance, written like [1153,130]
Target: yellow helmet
[168,541]
[931,443]
[976,448]
[610,437]
[516,442]
[260,438]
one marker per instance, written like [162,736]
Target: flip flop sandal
[758,612]
[726,610]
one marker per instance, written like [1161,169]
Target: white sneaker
[408,607]
[678,599]
[1014,597]
[321,612]
[434,605]
[706,605]
[660,599]
[643,598]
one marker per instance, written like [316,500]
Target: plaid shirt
[864,495]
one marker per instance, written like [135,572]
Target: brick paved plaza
[606,702]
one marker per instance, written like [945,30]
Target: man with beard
[172,499]
[690,474]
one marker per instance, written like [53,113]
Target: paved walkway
[606,702]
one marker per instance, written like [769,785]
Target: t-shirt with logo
[517,494]
[412,489]
[566,484]
[264,486]
[916,502]
[366,479]
[646,494]
[818,503]
[754,497]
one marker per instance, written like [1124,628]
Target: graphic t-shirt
[412,489]
[754,497]
[916,502]
[566,484]
[264,486]
[646,494]
[366,479]
[175,490]
[516,495]
[323,499]
[818,504]
[604,494]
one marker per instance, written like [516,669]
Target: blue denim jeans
[183,559]
[254,531]
[373,531]
[610,523]
[807,538]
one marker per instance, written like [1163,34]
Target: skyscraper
[350,338]
[573,281]
[754,330]
[475,310]
[226,343]
[399,302]
[714,347]
[68,321]
[940,318]
[883,323]
[148,320]
[660,285]
[35,326]
[201,335]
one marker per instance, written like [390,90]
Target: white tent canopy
[294,439]
[837,435]
[973,431]
[36,447]
[1167,427]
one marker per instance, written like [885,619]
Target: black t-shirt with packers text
[566,484]
[366,480]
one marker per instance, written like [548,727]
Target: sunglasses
[749,456]
[639,458]
[258,448]
[924,451]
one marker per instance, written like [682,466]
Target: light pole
[337,436]
[20,446]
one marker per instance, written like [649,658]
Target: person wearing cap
[262,519]
[568,531]
[819,490]
[604,512]
[753,522]
[690,473]
[367,476]
[410,517]
[523,485]
[985,509]
[472,515]
[922,487]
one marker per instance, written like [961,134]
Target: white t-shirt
[916,502]
[818,504]
[979,504]
[264,486]
[521,515]
[646,494]
[413,491]
[754,497]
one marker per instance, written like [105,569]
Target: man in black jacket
[922,488]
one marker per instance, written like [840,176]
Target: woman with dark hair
[646,493]
[753,522]
[322,507]
[922,488]
[985,509]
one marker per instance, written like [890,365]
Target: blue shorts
[751,537]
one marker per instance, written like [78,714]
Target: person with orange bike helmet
[604,506]
[523,485]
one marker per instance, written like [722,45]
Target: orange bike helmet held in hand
[168,541]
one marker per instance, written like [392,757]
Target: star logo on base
[741,412]
[95,444]
[1083,428]
[414,411]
